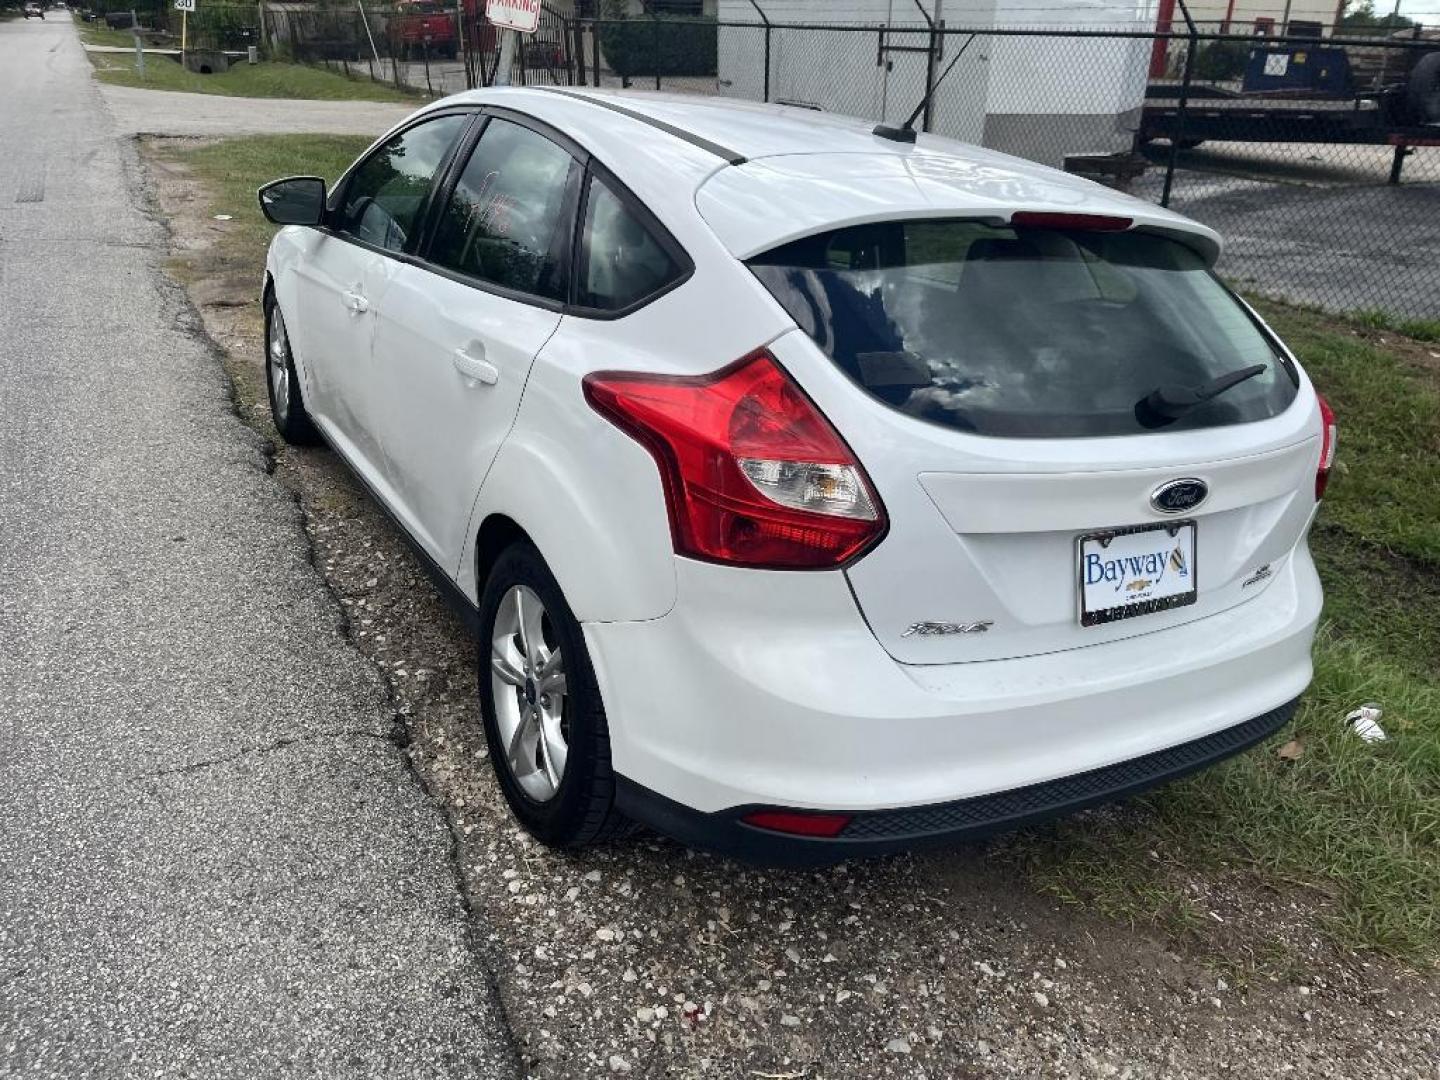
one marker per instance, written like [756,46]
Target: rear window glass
[1028,332]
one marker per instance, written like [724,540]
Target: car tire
[282,382]
[528,723]
[1422,91]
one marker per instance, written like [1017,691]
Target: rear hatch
[1078,433]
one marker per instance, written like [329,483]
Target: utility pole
[507,57]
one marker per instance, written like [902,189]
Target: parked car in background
[815,490]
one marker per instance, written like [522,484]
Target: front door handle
[356,303]
[474,367]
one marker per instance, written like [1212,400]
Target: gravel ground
[214,858]
[645,958]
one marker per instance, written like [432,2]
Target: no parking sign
[521,15]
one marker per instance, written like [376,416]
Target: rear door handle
[356,303]
[474,367]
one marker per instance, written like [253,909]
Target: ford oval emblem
[1177,496]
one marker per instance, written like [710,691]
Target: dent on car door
[458,334]
[342,282]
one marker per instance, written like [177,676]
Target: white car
[814,491]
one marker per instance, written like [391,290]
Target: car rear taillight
[1329,436]
[754,474]
[799,822]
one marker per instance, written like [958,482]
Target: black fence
[1316,154]
[433,53]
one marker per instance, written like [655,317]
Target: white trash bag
[1365,722]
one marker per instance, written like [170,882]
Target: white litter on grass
[224,217]
[1365,722]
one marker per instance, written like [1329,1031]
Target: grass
[1388,493]
[97,33]
[1355,826]
[1419,329]
[232,169]
[263,80]
[1352,825]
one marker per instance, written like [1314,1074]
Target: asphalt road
[214,859]
[1318,224]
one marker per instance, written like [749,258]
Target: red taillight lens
[798,823]
[1329,435]
[754,474]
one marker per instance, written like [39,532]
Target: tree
[1361,15]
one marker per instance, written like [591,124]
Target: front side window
[1029,332]
[383,198]
[505,223]
[621,261]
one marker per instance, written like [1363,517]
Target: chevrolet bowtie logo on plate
[935,629]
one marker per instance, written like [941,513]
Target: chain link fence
[1316,155]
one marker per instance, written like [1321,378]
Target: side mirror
[297,200]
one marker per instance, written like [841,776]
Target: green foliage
[660,46]
[1362,17]
[267,80]
[1419,329]
[232,169]
[1221,60]
[222,26]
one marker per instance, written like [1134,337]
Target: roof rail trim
[731,157]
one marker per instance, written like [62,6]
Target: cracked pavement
[215,859]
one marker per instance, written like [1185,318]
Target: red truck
[418,23]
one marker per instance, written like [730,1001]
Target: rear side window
[383,196]
[1027,332]
[621,261]
[503,223]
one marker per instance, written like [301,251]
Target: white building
[1035,96]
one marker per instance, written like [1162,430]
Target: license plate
[1136,571]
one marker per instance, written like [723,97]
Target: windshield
[1025,332]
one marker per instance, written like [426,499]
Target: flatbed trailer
[1326,91]
[1214,115]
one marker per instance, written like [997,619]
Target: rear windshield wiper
[1170,402]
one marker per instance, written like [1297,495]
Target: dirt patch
[1423,356]
[650,959]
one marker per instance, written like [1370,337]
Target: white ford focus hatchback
[814,492]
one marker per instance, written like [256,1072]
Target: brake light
[1329,438]
[1039,219]
[798,823]
[754,474]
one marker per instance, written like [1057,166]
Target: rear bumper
[768,690]
[877,832]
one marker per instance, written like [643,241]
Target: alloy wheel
[278,365]
[528,681]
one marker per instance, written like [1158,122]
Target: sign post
[510,17]
[184,7]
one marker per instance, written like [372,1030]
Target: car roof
[762,175]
